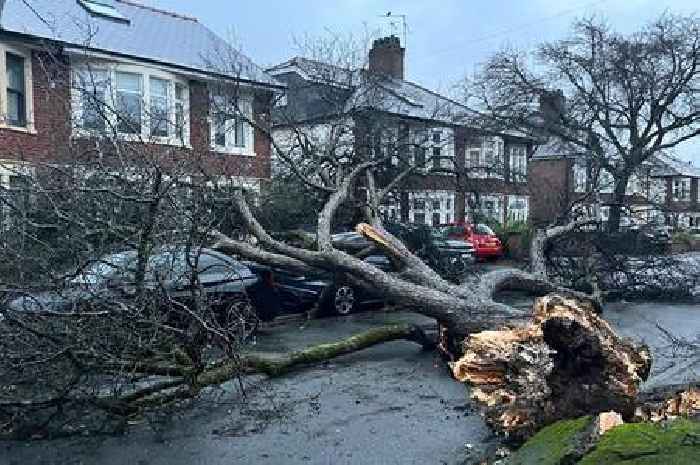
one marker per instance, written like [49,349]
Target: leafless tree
[618,99]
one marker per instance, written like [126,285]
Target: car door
[298,292]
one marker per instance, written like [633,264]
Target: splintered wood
[566,363]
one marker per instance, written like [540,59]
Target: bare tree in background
[619,98]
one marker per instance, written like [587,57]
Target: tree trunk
[618,202]
[566,363]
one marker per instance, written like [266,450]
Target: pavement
[390,404]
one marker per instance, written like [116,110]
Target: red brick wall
[52,141]
[548,182]
[51,116]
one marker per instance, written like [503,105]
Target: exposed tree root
[568,362]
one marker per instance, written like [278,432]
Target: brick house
[72,72]
[663,190]
[459,171]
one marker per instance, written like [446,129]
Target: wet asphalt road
[391,404]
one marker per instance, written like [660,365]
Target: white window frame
[28,88]
[681,189]
[517,154]
[146,73]
[245,105]
[518,214]
[580,178]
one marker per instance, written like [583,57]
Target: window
[180,105]
[518,163]
[437,158]
[436,205]
[101,8]
[580,178]
[473,158]
[128,102]
[493,157]
[16,95]
[159,107]
[681,189]
[419,218]
[606,182]
[419,204]
[517,208]
[436,218]
[94,96]
[492,207]
[419,156]
[135,101]
[231,131]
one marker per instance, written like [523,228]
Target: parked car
[332,292]
[481,236]
[236,294]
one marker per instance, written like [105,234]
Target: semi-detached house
[72,71]
[459,171]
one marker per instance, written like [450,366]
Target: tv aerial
[397,21]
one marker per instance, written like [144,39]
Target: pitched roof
[396,96]
[148,33]
[668,165]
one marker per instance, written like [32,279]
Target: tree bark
[566,363]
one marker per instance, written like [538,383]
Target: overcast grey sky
[446,38]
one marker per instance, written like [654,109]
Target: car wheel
[344,300]
[240,320]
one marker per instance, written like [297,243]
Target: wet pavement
[391,404]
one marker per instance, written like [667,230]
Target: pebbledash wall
[51,137]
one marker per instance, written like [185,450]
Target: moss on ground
[553,445]
[675,443]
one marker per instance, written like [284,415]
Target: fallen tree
[567,362]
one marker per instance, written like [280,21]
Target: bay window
[133,101]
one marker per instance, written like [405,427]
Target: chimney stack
[386,57]
[552,106]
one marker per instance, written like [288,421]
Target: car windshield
[105,268]
[484,230]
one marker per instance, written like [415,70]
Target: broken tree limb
[271,365]
[566,363]
[280,364]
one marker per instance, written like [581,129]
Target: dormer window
[103,8]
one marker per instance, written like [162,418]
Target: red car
[485,241]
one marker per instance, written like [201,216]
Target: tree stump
[566,363]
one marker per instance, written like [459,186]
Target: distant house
[73,71]
[663,190]
[459,171]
